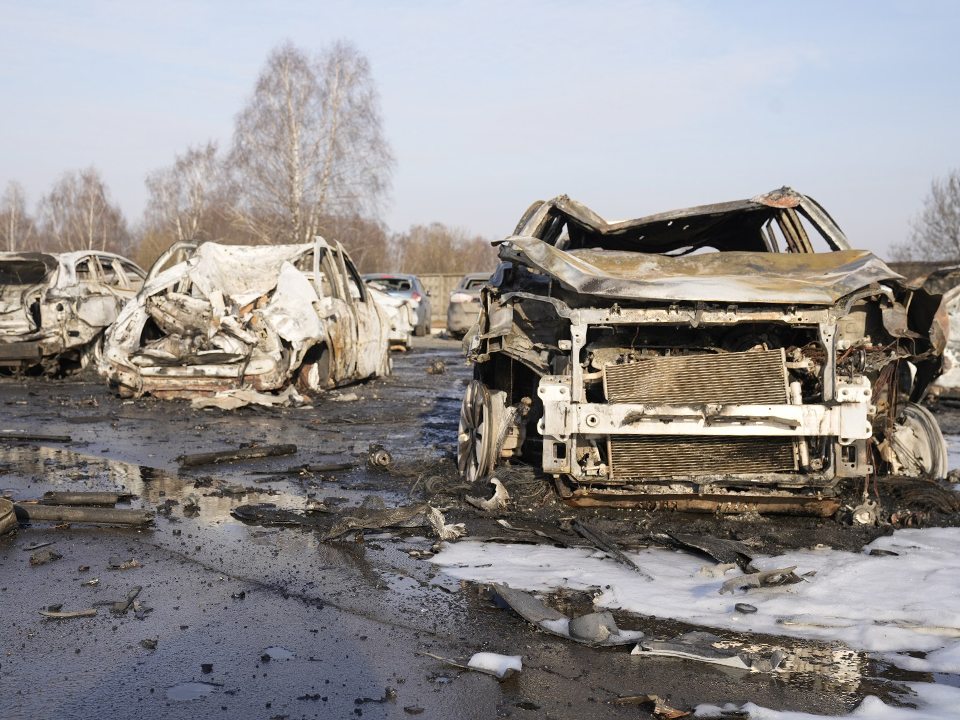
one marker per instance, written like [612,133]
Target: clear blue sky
[630,107]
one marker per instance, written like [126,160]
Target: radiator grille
[665,456]
[756,377]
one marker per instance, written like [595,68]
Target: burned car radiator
[670,456]
[754,377]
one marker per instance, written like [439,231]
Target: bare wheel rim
[925,426]
[475,433]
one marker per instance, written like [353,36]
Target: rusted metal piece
[83,498]
[239,454]
[601,628]
[717,503]
[600,540]
[75,514]
[67,615]
[18,436]
[123,605]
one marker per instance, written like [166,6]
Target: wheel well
[320,356]
[502,372]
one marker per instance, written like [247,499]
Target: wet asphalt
[239,620]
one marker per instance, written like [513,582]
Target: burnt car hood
[780,278]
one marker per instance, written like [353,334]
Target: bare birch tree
[184,197]
[310,144]
[16,225]
[77,214]
[936,230]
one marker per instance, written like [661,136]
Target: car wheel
[421,329]
[918,443]
[475,441]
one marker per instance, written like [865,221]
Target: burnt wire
[524,479]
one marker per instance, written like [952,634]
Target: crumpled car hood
[735,277]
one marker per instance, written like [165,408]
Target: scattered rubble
[42,557]
[700,646]
[604,542]
[119,564]
[124,605]
[8,517]
[236,398]
[497,502]
[723,551]
[378,457]
[27,512]
[591,629]
[654,704]
[767,578]
[249,453]
[84,498]
[500,666]
[35,546]
[373,514]
[19,436]
[67,615]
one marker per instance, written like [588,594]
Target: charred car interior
[706,359]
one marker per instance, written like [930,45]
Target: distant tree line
[308,158]
[935,232]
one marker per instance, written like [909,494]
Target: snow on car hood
[785,278]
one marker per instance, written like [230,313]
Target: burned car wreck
[706,359]
[54,308]
[229,317]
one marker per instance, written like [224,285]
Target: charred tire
[477,433]
[919,442]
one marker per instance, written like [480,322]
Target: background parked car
[402,314]
[54,308]
[408,286]
[465,304]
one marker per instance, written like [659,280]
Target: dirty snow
[499,665]
[886,604]
[937,702]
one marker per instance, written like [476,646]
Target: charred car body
[54,308]
[402,312]
[703,359]
[230,317]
